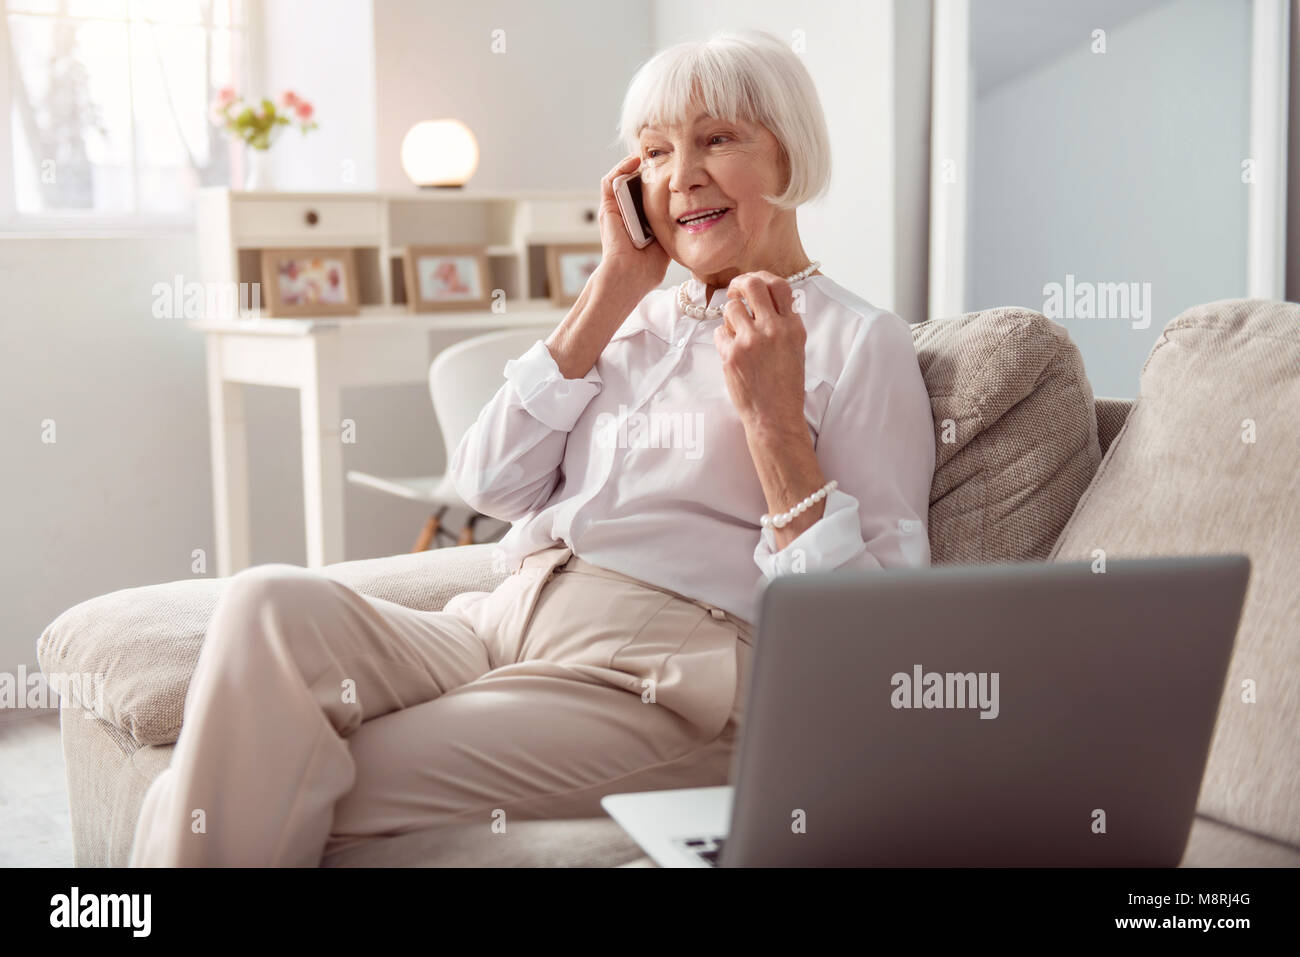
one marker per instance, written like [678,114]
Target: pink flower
[304,110]
[220,103]
[289,98]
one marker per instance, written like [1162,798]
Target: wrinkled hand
[763,354]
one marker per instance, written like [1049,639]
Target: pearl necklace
[713,312]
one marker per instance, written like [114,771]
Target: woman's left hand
[763,354]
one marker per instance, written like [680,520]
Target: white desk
[319,358]
[385,345]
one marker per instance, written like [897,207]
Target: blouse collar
[659,314]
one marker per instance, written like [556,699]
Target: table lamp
[439,154]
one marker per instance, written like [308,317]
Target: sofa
[1030,466]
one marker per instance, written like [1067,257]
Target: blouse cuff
[825,545]
[548,397]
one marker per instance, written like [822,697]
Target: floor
[35,830]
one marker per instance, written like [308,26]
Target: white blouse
[642,466]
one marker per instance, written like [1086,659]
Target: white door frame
[950,108]
[1266,216]
[950,111]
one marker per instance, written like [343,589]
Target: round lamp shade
[439,153]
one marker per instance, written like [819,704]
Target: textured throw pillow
[1207,463]
[1015,433]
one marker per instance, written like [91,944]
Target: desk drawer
[305,222]
[560,216]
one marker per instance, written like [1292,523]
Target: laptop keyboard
[706,848]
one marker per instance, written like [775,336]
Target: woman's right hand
[639,270]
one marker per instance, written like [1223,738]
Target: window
[109,107]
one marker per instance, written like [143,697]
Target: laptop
[1021,714]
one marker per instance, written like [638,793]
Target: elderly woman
[661,455]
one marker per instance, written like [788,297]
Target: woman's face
[712,164]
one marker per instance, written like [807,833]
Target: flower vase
[257,168]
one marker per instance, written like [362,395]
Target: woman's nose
[684,171]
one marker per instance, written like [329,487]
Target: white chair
[462,379]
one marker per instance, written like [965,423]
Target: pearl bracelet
[785,518]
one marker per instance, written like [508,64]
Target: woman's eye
[719,136]
[650,153]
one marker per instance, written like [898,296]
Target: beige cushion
[1179,480]
[1111,414]
[1214,844]
[1016,433]
[145,641]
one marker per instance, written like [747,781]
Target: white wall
[543,112]
[118,498]
[1118,167]
[331,64]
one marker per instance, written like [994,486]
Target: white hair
[749,75]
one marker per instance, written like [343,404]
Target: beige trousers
[318,718]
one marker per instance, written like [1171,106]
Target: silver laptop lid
[1030,714]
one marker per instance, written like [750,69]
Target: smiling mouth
[701,218]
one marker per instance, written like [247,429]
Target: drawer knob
[589,215]
[312,217]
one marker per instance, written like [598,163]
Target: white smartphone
[627,190]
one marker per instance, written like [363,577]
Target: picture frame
[568,266]
[310,281]
[440,278]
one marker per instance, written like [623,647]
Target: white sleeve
[507,463]
[877,441]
